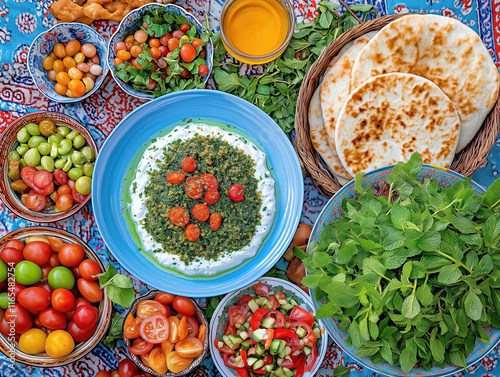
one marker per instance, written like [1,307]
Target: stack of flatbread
[422,83]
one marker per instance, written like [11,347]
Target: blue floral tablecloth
[22,20]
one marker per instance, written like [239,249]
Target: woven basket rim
[466,162]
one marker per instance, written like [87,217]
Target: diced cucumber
[235,339]
[246,344]
[288,350]
[252,304]
[317,332]
[292,302]
[279,372]
[259,335]
[258,364]
[239,362]
[251,360]
[284,311]
[260,349]
[269,368]
[288,372]
[287,324]
[287,306]
[228,341]
[237,325]
[280,361]
[277,345]
[307,350]
[243,335]
[301,332]
[281,301]
[282,354]
[268,322]
[246,325]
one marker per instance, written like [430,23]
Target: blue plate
[333,211]
[136,131]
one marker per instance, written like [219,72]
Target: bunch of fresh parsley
[275,91]
[412,277]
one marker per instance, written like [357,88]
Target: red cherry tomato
[89,269]
[63,300]
[193,188]
[154,329]
[77,197]
[179,216]
[54,260]
[45,191]
[261,289]
[37,252]
[127,368]
[140,347]
[42,179]
[163,50]
[192,232]
[76,272]
[71,255]
[36,202]
[212,197]
[61,177]
[184,306]
[210,183]
[11,256]
[201,212]
[215,221]
[81,301]
[164,40]
[186,73]
[5,330]
[177,34]
[15,244]
[175,177]
[46,268]
[103,373]
[45,285]
[173,43]
[185,28]
[20,317]
[188,164]
[235,193]
[164,298]
[34,298]
[64,202]
[78,334]
[203,54]
[203,70]
[149,308]
[90,290]
[53,319]
[154,42]
[188,53]
[197,42]
[85,317]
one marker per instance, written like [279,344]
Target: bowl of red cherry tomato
[46,166]
[165,334]
[54,311]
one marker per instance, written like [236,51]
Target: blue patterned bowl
[220,318]
[43,45]
[333,211]
[130,21]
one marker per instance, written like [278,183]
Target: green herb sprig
[119,288]
[115,331]
[276,90]
[412,277]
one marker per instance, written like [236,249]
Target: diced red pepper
[301,366]
[257,318]
[242,372]
[224,348]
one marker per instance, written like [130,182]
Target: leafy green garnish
[413,276]
[212,305]
[275,91]
[341,371]
[115,331]
[119,287]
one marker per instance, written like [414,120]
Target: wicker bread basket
[466,162]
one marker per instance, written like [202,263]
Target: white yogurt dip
[265,186]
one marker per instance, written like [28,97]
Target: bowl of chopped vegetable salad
[410,254]
[267,327]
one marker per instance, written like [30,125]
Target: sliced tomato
[237,315]
[292,340]
[312,358]
[45,191]
[27,175]
[183,329]
[210,183]
[292,362]
[132,327]
[192,325]
[229,360]
[279,317]
[173,325]
[229,329]
[242,372]
[42,179]
[36,202]
[300,315]
[301,366]
[201,332]
[244,300]
[261,289]
[274,302]
[155,329]
[158,361]
[222,347]
[310,338]
[148,308]
[141,347]
[257,318]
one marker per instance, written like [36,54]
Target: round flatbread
[320,141]
[335,87]
[442,50]
[389,117]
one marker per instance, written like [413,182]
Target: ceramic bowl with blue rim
[333,211]
[220,318]
[45,42]
[131,22]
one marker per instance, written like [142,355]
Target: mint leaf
[411,307]
[449,274]
[424,295]
[122,297]
[492,195]
[399,216]
[473,306]
[341,371]
[408,357]
[115,331]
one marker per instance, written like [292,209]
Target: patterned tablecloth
[22,20]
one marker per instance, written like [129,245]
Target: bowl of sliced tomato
[268,327]
[165,334]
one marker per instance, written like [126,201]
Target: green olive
[44,149]
[78,158]
[22,163]
[35,141]
[32,157]
[23,135]
[22,148]
[79,141]
[47,163]
[65,146]
[33,129]
[75,173]
[63,130]
[55,139]
[89,153]
[88,169]
[59,164]
[73,134]
[84,185]
[13,156]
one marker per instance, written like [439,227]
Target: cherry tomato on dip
[179,216]
[215,221]
[90,290]
[37,252]
[192,232]
[188,164]
[63,300]
[212,197]
[34,298]
[184,306]
[164,298]
[210,183]
[175,177]
[85,317]
[201,212]
[71,255]
[193,188]
[235,193]
[89,269]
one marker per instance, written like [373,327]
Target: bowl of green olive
[46,166]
